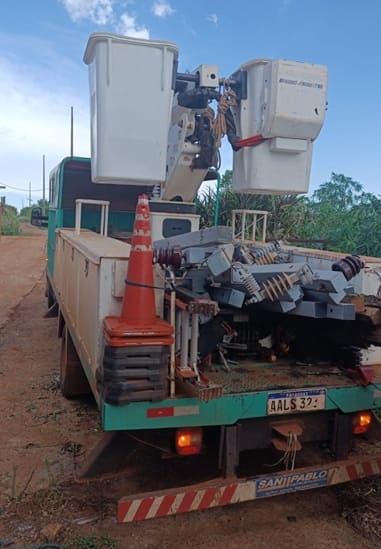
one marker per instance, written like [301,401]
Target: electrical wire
[289,457]
[23,190]
[146,443]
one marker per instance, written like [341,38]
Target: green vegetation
[347,216]
[25,213]
[338,212]
[91,542]
[10,220]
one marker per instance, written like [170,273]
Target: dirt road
[42,434]
[22,260]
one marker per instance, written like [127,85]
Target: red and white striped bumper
[222,492]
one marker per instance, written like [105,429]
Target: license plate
[291,402]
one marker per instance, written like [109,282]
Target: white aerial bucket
[131,90]
[285,104]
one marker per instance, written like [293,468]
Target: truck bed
[249,376]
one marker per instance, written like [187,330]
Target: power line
[23,190]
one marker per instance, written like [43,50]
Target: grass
[91,542]
[10,226]
[360,503]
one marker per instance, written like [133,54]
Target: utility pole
[43,184]
[30,194]
[2,204]
[71,131]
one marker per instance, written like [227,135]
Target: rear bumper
[222,492]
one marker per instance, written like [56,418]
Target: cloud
[127,26]
[212,17]
[98,11]
[162,9]
[36,121]
[102,12]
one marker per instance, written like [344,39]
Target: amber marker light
[361,422]
[188,441]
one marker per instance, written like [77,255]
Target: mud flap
[108,457]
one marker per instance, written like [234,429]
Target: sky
[42,73]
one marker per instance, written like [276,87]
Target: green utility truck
[275,350]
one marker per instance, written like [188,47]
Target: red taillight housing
[188,441]
[361,423]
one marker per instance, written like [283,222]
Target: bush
[10,225]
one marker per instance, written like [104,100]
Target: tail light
[361,423]
[188,441]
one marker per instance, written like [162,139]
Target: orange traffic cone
[138,323]
[139,296]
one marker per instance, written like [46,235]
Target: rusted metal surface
[357,301]
[251,376]
[328,254]
[372,301]
[284,428]
[203,306]
[204,389]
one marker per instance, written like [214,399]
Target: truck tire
[49,294]
[73,379]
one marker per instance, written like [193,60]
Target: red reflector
[160,412]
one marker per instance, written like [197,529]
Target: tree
[43,204]
[27,211]
[287,212]
[340,191]
[9,223]
[349,218]
[339,211]
[10,209]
